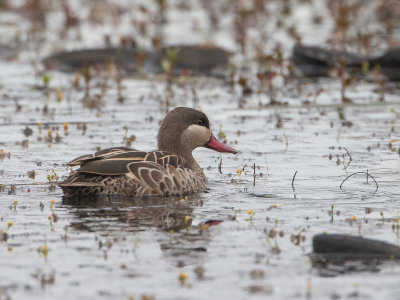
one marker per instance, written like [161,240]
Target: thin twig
[287,142]
[368,175]
[195,98]
[348,153]
[254,175]
[294,176]
[266,164]
[350,159]
[220,166]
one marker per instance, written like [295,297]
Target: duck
[169,171]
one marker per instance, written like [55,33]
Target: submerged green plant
[15,202]
[331,212]
[272,238]
[239,172]
[183,277]
[172,58]
[221,133]
[44,250]
[168,64]
[4,233]
[396,227]
[46,80]
[187,222]
[136,245]
[53,179]
[251,213]
[234,217]
[51,223]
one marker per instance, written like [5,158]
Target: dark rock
[317,62]
[76,60]
[339,248]
[194,59]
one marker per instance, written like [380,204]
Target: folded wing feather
[123,160]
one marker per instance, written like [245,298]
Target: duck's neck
[192,164]
[185,153]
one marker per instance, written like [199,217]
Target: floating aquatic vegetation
[52,179]
[251,214]
[183,278]
[272,238]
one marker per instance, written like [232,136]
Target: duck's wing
[162,158]
[116,161]
[79,161]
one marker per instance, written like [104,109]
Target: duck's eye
[200,122]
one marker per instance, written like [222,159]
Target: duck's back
[133,173]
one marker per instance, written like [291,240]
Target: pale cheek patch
[196,135]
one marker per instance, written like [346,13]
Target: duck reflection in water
[119,213]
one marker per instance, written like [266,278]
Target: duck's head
[184,129]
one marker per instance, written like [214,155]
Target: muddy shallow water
[119,247]
[116,248]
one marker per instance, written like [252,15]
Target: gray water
[116,248]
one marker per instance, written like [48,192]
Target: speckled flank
[82,184]
[176,181]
